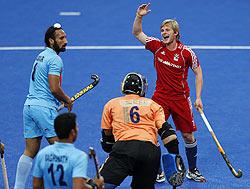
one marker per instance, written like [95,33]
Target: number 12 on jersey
[60,170]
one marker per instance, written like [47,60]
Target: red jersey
[172,68]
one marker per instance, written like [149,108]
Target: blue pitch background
[226,72]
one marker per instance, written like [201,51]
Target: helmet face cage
[134,83]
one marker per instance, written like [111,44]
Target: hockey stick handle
[238,173]
[83,91]
[4,169]
[92,154]
[211,130]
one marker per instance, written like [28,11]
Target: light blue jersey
[58,164]
[47,62]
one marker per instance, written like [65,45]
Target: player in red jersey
[172,60]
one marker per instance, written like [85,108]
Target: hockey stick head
[96,79]
[238,174]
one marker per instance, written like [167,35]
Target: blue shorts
[38,121]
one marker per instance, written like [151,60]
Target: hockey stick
[84,90]
[4,169]
[237,174]
[93,154]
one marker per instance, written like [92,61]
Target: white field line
[205,47]
[70,13]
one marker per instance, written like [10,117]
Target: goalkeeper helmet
[134,83]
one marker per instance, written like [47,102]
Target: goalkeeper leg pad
[174,169]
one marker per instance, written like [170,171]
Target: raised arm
[137,26]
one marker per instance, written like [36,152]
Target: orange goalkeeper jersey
[132,117]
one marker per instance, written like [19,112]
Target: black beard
[58,49]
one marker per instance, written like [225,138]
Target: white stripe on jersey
[194,57]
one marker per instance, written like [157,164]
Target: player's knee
[31,152]
[169,138]
[188,137]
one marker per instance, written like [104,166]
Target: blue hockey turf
[109,23]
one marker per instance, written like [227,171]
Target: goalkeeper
[129,133]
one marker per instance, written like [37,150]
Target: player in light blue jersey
[61,165]
[45,94]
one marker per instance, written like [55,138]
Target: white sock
[23,170]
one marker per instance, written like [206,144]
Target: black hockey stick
[84,90]
[92,154]
[4,169]
[238,173]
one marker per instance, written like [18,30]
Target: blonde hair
[174,24]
